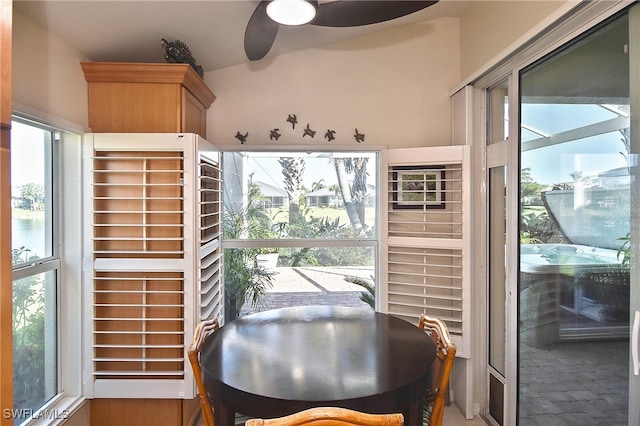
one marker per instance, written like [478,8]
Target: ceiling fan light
[292,12]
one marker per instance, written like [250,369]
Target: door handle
[634,344]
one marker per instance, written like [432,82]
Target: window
[36,266]
[575,225]
[498,111]
[315,213]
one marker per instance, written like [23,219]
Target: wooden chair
[445,354]
[202,332]
[331,416]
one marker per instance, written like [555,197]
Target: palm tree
[354,195]
[529,189]
[315,186]
[244,278]
[293,171]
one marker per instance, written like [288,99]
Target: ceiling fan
[263,25]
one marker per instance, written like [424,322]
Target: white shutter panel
[210,292]
[151,263]
[427,245]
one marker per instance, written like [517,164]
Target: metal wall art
[274,134]
[309,132]
[242,138]
[292,119]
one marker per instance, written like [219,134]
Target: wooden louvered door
[427,237]
[152,249]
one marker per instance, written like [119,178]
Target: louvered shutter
[152,260]
[210,290]
[427,244]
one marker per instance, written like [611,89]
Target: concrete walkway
[311,285]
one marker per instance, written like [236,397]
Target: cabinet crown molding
[128,72]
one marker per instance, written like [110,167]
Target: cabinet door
[146,98]
[133,107]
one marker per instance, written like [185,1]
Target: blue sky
[590,155]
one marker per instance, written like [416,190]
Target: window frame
[555,31]
[52,262]
[65,260]
[373,243]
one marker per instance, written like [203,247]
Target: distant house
[323,198]
[272,196]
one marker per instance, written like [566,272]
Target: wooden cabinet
[154,226]
[146,98]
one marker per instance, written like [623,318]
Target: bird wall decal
[359,137]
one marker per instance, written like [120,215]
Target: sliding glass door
[577,159]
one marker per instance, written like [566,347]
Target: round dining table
[277,362]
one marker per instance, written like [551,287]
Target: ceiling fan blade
[260,33]
[353,13]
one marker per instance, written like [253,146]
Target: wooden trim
[138,412]
[5,61]
[6,324]
[124,72]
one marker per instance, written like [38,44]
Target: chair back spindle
[331,416]
[445,355]
[203,330]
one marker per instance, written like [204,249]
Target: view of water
[29,232]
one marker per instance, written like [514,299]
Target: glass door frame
[576,21]
[634,101]
[504,154]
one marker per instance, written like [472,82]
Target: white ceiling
[130,31]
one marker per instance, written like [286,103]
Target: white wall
[393,86]
[46,74]
[489,28]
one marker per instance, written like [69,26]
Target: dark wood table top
[294,358]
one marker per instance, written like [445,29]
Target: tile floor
[453,417]
[575,383]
